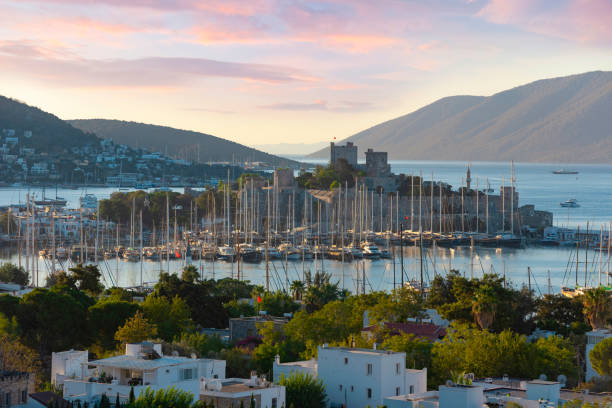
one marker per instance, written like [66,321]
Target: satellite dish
[562,379]
[175,353]
[449,383]
[543,377]
[194,356]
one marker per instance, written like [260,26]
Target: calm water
[535,183]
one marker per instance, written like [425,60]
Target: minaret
[468,177]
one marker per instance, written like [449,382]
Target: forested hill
[177,143]
[49,133]
[566,119]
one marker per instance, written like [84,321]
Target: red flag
[178,254]
[258,299]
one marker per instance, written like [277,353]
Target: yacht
[226,253]
[288,251]
[273,253]
[89,201]
[565,171]
[571,203]
[371,251]
[249,254]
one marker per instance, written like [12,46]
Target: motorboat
[571,203]
[371,251]
[226,253]
[289,252]
[249,254]
[565,171]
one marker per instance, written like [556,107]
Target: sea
[545,269]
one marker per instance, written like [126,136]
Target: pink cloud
[585,21]
[39,64]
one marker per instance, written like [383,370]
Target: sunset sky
[272,71]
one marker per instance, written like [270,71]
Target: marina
[341,247]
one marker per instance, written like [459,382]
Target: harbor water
[550,268]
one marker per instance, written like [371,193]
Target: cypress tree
[132,397]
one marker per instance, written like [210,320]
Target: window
[188,374]
[352,388]
[340,387]
[369,369]
[24,396]
[397,368]
[411,389]
[345,361]
[397,390]
[369,393]
[7,399]
[274,403]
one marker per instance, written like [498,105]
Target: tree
[14,356]
[170,317]
[277,304]
[418,351]
[106,317]
[297,289]
[597,303]
[104,401]
[11,273]
[303,390]
[601,357]
[454,297]
[560,314]
[489,354]
[320,291]
[484,306]
[170,397]
[88,278]
[190,274]
[135,330]
[54,319]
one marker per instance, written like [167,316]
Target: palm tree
[596,306]
[297,287]
[484,307]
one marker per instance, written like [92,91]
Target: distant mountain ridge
[176,142]
[566,119]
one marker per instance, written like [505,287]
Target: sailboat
[49,202]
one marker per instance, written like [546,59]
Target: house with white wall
[142,366]
[232,392]
[356,377]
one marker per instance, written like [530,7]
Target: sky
[281,71]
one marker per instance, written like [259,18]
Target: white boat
[288,251]
[226,253]
[371,251]
[89,201]
[571,203]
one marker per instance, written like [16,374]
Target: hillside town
[102,163]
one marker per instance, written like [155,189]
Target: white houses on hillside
[142,366]
[356,377]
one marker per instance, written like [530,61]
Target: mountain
[566,119]
[49,133]
[177,143]
[290,148]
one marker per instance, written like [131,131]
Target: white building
[142,366]
[358,377]
[535,394]
[593,338]
[231,392]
